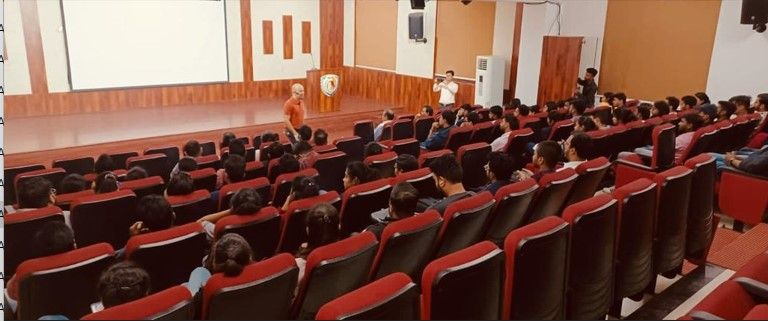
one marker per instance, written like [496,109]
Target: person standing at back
[589,86]
[294,112]
[447,89]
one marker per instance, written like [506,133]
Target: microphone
[312,59]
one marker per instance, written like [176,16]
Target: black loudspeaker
[754,12]
[417,4]
[416,25]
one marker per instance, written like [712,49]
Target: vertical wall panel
[245,25]
[306,37]
[332,33]
[376,34]
[34,44]
[287,37]
[267,38]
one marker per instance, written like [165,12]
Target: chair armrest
[701,315]
[755,288]
[628,171]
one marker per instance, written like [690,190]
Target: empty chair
[359,201]
[759,312]
[402,129]
[394,297]
[633,167]
[516,145]
[352,146]
[21,228]
[701,221]
[756,269]
[561,130]
[457,137]
[591,173]
[408,146]
[261,184]
[593,238]
[473,158]
[482,132]
[384,163]
[364,130]
[426,158]
[154,164]
[171,152]
[153,185]
[422,181]
[262,291]
[80,165]
[634,268]
[171,304]
[729,301]
[191,207]
[741,195]
[261,230]
[406,245]
[333,270]
[463,223]
[282,186]
[602,142]
[208,161]
[250,153]
[255,169]
[536,269]
[294,219]
[331,168]
[169,255]
[207,148]
[10,174]
[61,284]
[53,175]
[421,127]
[103,218]
[512,203]
[553,192]
[467,284]
[204,178]
[121,159]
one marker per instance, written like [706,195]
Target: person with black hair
[286,164]
[761,105]
[607,99]
[273,150]
[33,193]
[584,124]
[708,113]
[426,110]
[305,133]
[688,125]
[322,229]
[674,103]
[359,173]
[106,182]
[660,108]
[187,165]
[104,163]
[305,154]
[137,172]
[499,171]
[602,120]
[371,149]
[578,107]
[230,254]
[701,99]
[448,177]
[438,134]
[320,137]
[301,187]
[73,183]
[686,103]
[496,113]
[402,204]
[743,105]
[153,213]
[624,116]
[644,111]
[405,163]
[387,116]
[725,110]
[507,125]
[233,171]
[448,89]
[471,119]
[589,86]
[192,150]
[226,139]
[266,137]
[619,100]
[461,114]
[522,111]
[545,157]
[577,149]
[180,184]
[236,147]
[121,283]
[246,201]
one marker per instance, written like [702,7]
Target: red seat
[154,164]
[591,173]
[463,223]
[191,207]
[384,163]
[171,304]
[262,291]
[121,159]
[466,284]
[481,133]
[722,141]
[274,170]
[756,269]
[742,195]
[561,130]
[53,175]
[701,142]
[331,168]
[701,224]
[601,142]
[61,284]
[594,223]
[406,245]
[10,176]
[393,297]
[457,137]
[422,181]
[674,190]
[208,161]
[536,269]
[359,201]
[282,185]
[294,219]
[628,170]
[408,146]
[261,230]
[333,270]
[255,169]
[169,255]
[512,202]
[729,301]
[153,185]
[103,218]
[207,148]
[421,127]
[65,200]
[516,145]
[402,129]
[171,153]
[364,130]
[204,178]
[759,312]
[325,149]
[79,165]
[20,228]
[427,157]
[352,146]
[261,184]
[553,192]
[473,158]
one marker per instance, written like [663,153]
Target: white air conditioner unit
[489,81]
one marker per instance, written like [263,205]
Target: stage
[40,140]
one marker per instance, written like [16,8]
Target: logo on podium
[329,83]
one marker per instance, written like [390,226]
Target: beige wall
[463,33]
[376,34]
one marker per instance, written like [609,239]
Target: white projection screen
[137,43]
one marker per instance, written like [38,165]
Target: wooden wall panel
[287,37]
[560,57]
[509,94]
[463,32]
[34,44]
[375,34]
[245,39]
[332,33]
[306,37]
[267,38]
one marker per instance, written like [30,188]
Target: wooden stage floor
[40,140]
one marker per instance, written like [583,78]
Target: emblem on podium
[329,83]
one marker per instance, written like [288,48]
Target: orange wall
[463,33]
[375,33]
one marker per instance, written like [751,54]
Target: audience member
[305,154]
[607,99]
[287,164]
[402,204]
[137,172]
[701,99]
[192,150]
[301,187]
[545,157]
[322,229]
[624,116]
[229,255]
[761,105]
[660,108]
[644,111]
[499,171]
[73,183]
[496,113]
[725,110]
[461,114]
[120,283]
[584,124]
[688,125]
[708,113]
[272,151]
[233,171]
[371,149]
[246,201]
[602,120]
[226,139]
[578,107]
[753,162]
[153,213]
[180,184]
[743,105]
[266,137]
[507,125]
[358,173]
[577,149]
[320,137]
[438,134]
[619,100]
[305,133]
[387,116]
[426,111]
[687,103]
[105,182]
[448,177]
[674,103]
[405,163]
[33,193]
[103,164]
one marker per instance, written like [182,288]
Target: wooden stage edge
[338,124]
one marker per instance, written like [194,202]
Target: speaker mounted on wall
[416,27]
[417,4]
[755,13]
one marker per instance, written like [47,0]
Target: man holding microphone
[447,89]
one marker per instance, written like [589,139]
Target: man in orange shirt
[294,112]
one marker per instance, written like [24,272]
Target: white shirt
[572,164]
[447,92]
[500,142]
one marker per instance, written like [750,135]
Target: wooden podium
[323,91]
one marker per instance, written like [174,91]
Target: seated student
[180,184]
[245,202]
[226,139]
[753,162]
[660,108]
[305,154]
[402,204]
[674,103]
[137,172]
[104,163]
[387,116]
[577,149]
[192,150]
[743,105]
[106,182]
[320,138]
[686,103]
[461,114]
[187,165]
[301,187]
[371,149]
[236,147]
[584,124]
[322,229]
[619,100]
[603,121]
[405,163]
[761,105]
[305,133]
[50,239]
[725,110]
[688,125]
[34,193]
[578,107]
[448,176]
[438,134]
[606,99]
[470,119]
[624,116]
[120,283]
[73,183]
[266,137]
[359,173]
[545,157]
[233,171]
[426,110]
[499,171]
[229,255]
[507,124]
[496,113]
[286,164]
[153,213]
[708,113]
[701,99]
[644,111]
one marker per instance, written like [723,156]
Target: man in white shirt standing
[447,89]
